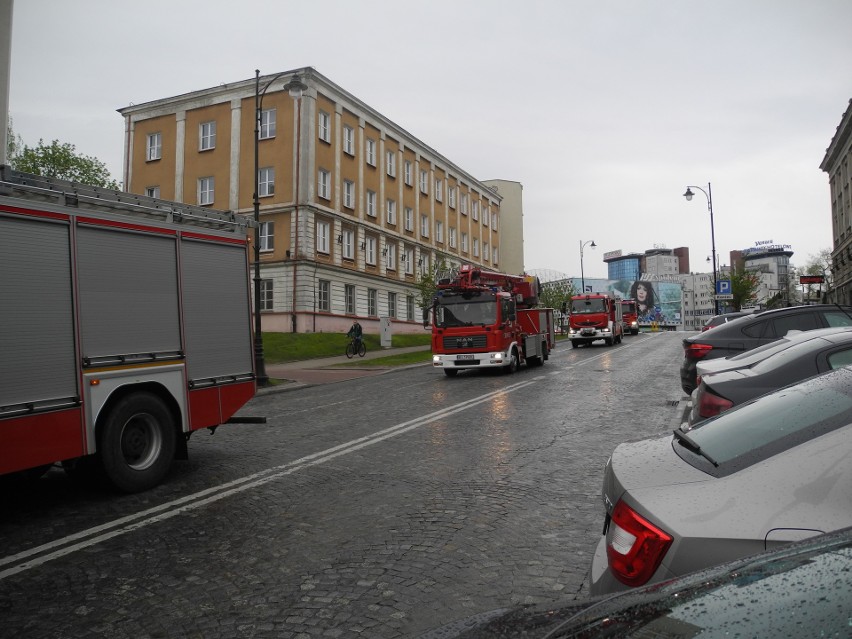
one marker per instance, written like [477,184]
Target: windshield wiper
[687,442]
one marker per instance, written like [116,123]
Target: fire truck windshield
[454,310]
[593,305]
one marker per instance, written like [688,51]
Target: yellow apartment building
[353,209]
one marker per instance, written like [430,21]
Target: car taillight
[635,546]
[710,404]
[696,351]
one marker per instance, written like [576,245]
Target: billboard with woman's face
[656,301]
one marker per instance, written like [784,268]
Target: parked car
[800,590]
[750,331]
[780,363]
[724,318]
[770,471]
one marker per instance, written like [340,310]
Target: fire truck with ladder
[125,326]
[595,316]
[484,319]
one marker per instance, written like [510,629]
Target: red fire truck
[595,316]
[485,319]
[630,316]
[125,326]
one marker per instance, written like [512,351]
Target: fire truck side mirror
[426,317]
[564,307]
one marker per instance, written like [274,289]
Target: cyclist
[355,333]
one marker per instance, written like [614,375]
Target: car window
[775,422]
[837,318]
[840,358]
[796,321]
[759,353]
[756,329]
[790,354]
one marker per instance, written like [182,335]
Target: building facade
[353,209]
[836,163]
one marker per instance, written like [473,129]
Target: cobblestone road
[378,507]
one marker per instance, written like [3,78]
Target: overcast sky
[604,110]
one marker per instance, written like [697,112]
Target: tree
[553,294]
[744,285]
[819,264]
[60,161]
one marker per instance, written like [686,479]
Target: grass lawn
[290,347]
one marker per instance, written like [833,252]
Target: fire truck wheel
[450,372]
[137,442]
[574,343]
[546,352]
[513,363]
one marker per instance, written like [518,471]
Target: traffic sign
[723,287]
[727,296]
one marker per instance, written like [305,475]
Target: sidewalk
[325,370]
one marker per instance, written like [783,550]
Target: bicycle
[351,349]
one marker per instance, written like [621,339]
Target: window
[324,296]
[391,161]
[452,237]
[439,231]
[267,124]
[486,213]
[152,191]
[207,136]
[836,318]
[424,262]
[266,182]
[476,210]
[349,194]
[494,255]
[348,140]
[476,247]
[424,225]
[407,174]
[464,242]
[348,244]
[154,147]
[409,307]
[372,298]
[485,251]
[409,218]
[494,221]
[390,261]
[370,251]
[463,204]
[323,231]
[408,258]
[205,190]
[439,190]
[451,197]
[265,295]
[324,127]
[371,203]
[371,152]
[391,304]
[267,236]
[424,181]
[324,184]
[349,299]
[391,212]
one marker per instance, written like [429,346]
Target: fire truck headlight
[436,359]
[497,357]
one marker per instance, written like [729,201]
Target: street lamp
[582,274]
[295,87]
[709,195]
[259,363]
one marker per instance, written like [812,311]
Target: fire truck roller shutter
[128,292]
[216,309]
[37,360]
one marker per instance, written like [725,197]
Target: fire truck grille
[469,341]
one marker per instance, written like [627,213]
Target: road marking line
[40,555]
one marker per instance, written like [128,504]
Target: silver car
[768,472]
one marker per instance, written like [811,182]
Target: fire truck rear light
[94,382]
[635,546]
[696,351]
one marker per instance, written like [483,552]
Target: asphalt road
[377,507]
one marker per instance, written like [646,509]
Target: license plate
[470,356]
[588,331]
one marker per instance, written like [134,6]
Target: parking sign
[723,287]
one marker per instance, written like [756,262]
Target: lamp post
[295,88]
[259,362]
[582,274]
[709,195]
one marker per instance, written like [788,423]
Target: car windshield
[775,422]
[593,305]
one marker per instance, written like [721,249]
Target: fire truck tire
[450,372]
[574,343]
[137,442]
[514,361]
[546,351]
